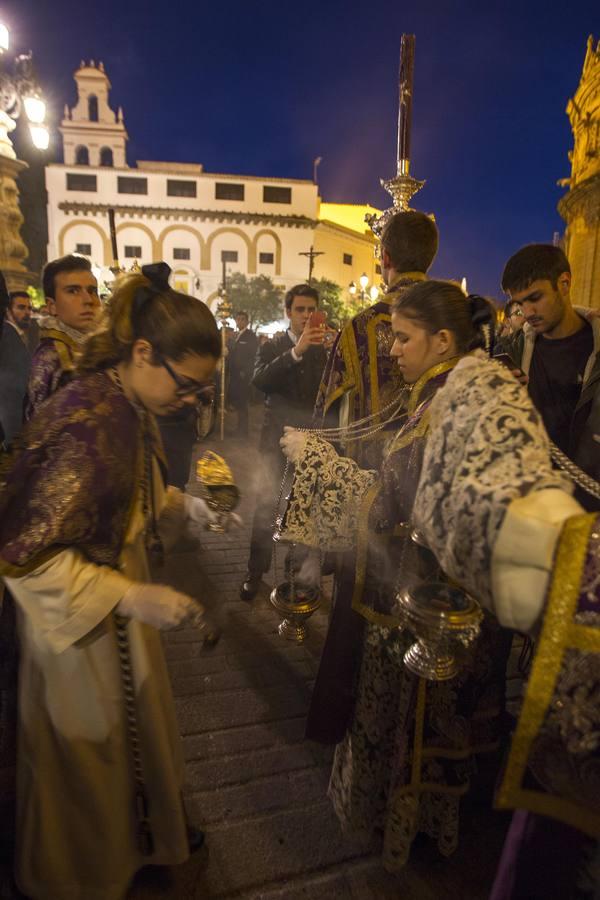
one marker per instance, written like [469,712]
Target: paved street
[254,785]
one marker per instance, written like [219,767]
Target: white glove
[293,443]
[159,606]
[197,510]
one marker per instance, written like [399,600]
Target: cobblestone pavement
[255,787]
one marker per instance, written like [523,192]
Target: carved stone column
[13,251]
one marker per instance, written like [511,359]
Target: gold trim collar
[426,377]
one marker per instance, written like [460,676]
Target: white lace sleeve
[325,498]
[486,447]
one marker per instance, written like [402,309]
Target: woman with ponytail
[396,771]
[82,503]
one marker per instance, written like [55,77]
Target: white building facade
[192,219]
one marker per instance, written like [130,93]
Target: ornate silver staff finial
[403,186]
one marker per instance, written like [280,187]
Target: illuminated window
[133,251]
[83,249]
[181,253]
[176,187]
[229,256]
[266,258]
[128,185]
[347,259]
[78,182]
[226,190]
[273,194]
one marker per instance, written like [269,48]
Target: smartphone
[506,360]
[317,318]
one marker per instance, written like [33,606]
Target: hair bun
[481,310]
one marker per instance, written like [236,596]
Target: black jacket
[242,354]
[15,363]
[585,424]
[290,387]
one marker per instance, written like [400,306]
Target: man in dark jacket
[242,353]
[559,351]
[15,363]
[288,371]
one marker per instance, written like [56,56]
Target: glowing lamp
[364,280]
[35,109]
[4,38]
[352,288]
[374,293]
[40,136]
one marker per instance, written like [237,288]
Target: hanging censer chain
[145,839]
[577,475]
[360,430]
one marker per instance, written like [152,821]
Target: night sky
[263,88]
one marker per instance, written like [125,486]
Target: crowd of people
[430,444]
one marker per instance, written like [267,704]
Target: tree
[330,301]
[259,297]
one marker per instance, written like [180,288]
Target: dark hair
[300,290]
[534,262]
[241,312]
[411,240]
[442,304]
[173,323]
[14,295]
[70,263]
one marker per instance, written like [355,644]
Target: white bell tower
[93,135]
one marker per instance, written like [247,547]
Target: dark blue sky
[263,88]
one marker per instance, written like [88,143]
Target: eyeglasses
[185,386]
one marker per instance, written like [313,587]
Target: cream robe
[76,829]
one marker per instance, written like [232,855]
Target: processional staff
[403,186]
[224,312]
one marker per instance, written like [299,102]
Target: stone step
[238,770]
[228,708]
[249,802]
[258,677]
[206,662]
[278,847]
[230,741]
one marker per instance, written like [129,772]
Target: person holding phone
[288,371]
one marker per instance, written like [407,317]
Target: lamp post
[361,292]
[19,93]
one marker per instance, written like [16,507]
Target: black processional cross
[312,255]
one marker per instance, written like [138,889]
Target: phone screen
[317,318]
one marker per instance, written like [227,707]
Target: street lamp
[364,294]
[20,91]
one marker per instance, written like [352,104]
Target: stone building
[580,207]
[193,219]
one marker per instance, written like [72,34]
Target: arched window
[93,108]
[106,156]
[82,156]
